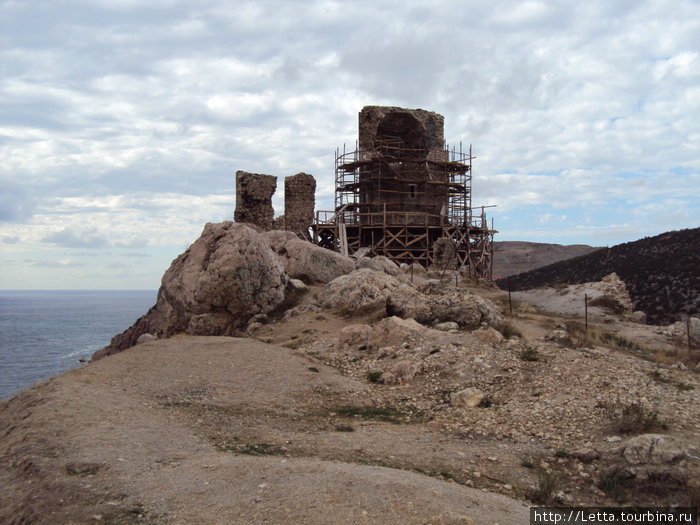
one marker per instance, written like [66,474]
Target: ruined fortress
[401,192]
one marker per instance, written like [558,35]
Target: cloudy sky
[122,122]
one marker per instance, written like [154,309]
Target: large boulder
[394,331]
[359,292]
[224,278]
[679,331]
[311,263]
[652,449]
[432,303]
[653,460]
[276,239]
[379,263]
[366,290]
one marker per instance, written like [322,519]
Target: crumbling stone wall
[254,199]
[299,201]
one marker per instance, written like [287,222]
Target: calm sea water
[43,333]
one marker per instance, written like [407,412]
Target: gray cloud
[16,205]
[67,238]
[570,106]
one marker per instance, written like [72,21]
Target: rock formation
[367,290]
[223,279]
[232,277]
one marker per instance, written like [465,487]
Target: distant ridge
[662,273]
[514,257]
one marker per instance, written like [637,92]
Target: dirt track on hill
[223,430]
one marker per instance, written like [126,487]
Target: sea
[43,333]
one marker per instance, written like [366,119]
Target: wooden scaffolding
[397,201]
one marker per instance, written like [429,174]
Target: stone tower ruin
[401,190]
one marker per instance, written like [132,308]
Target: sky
[123,122]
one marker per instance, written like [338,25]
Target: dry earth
[293,426]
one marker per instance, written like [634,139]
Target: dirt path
[219,430]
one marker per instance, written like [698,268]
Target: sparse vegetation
[373,376]
[527,463]
[657,376]
[561,453]
[680,354]
[608,302]
[486,402]
[255,449]
[83,469]
[599,336]
[508,331]
[632,418]
[529,354]
[547,487]
[390,415]
[615,485]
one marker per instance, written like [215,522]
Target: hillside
[661,273]
[514,257]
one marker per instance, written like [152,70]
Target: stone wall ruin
[299,201]
[254,202]
[254,199]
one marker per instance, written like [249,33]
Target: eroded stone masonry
[254,202]
[254,199]
[299,202]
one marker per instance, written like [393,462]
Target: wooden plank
[343,239]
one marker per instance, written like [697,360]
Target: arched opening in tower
[404,131]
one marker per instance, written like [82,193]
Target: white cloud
[131,118]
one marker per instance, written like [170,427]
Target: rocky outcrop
[368,290]
[276,239]
[379,263]
[679,331]
[434,304]
[394,331]
[354,337]
[311,263]
[652,459]
[610,293]
[359,292]
[223,279]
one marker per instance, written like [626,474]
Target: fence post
[510,302]
[687,324]
[585,308]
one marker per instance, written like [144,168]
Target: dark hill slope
[662,273]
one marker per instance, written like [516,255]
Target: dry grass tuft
[632,418]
